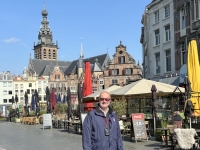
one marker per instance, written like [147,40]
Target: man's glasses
[102,99]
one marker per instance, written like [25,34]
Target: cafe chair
[168,138]
[147,128]
[127,128]
[121,126]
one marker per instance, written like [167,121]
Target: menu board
[139,126]
[47,121]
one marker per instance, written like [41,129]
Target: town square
[100,75]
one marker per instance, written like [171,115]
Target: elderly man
[101,127]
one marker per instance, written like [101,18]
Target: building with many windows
[22,85]
[187,27]
[46,70]
[6,91]
[157,40]
[122,68]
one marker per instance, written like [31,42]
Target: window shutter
[124,59]
[119,60]
[110,72]
[131,70]
[117,71]
[124,71]
[177,60]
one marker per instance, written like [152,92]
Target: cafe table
[75,124]
[165,133]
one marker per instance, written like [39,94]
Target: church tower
[45,49]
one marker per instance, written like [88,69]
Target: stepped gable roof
[40,65]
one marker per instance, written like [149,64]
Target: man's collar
[104,112]
[110,110]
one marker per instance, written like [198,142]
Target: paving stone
[16,136]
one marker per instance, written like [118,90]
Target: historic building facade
[44,70]
[157,40]
[187,27]
[6,91]
[121,68]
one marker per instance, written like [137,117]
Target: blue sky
[101,24]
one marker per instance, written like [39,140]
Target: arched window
[49,54]
[44,54]
[54,54]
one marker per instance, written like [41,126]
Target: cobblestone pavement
[16,136]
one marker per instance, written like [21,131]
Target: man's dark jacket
[93,136]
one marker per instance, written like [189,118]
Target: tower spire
[81,53]
[44,5]
[45,39]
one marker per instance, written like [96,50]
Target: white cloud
[63,56]
[11,40]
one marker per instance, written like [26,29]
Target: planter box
[12,119]
[17,120]
[37,121]
[41,120]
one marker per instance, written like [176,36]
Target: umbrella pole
[172,109]
[190,122]
[154,121]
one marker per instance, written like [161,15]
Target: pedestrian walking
[101,127]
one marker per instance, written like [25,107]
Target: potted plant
[119,106]
[41,114]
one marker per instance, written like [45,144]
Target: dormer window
[57,76]
[121,59]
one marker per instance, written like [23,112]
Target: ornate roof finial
[44,5]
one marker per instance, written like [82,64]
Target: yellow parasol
[193,74]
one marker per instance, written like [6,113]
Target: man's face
[104,100]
